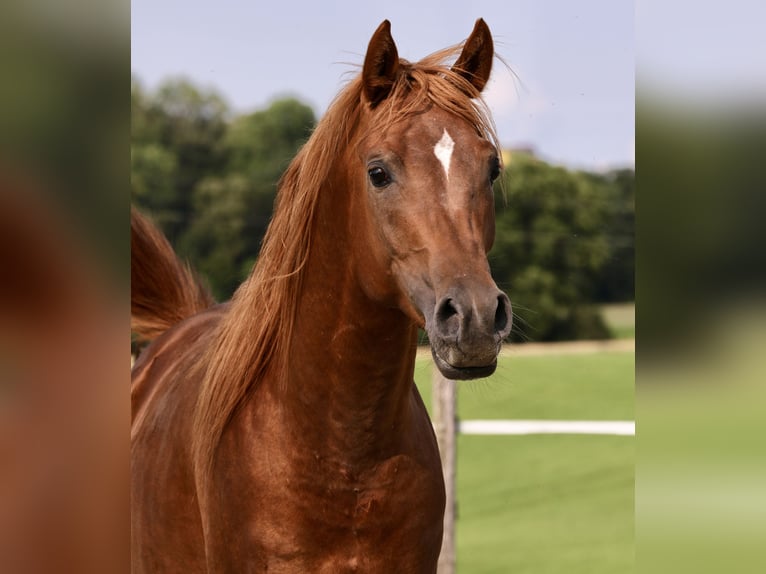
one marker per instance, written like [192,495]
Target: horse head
[425,164]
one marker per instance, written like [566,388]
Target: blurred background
[64,286]
[210,83]
[700,142]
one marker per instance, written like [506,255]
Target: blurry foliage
[617,279]
[176,142]
[703,193]
[232,210]
[564,239]
[209,179]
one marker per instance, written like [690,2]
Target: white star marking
[443,151]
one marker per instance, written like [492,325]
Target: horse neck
[350,372]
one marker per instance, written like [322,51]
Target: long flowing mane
[254,337]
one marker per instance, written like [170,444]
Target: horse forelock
[432,82]
[254,336]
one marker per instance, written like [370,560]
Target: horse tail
[163,290]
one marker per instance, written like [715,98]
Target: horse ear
[475,61]
[380,65]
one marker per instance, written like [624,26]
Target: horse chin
[458,373]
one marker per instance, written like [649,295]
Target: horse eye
[494,169]
[379,176]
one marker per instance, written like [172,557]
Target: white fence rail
[524,427]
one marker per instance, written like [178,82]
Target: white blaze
[443,151]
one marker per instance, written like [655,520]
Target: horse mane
[254,336]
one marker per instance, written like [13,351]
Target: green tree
[152,165]
[176,142]
[216,239]
[261,144]
[210,180]
[550,246]
[233,210]
[616,282]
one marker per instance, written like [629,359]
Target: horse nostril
[447,317]
[446,310]
[502,315]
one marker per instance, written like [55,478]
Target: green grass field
[546,503]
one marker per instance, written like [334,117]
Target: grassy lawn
[595,386]
[547,503]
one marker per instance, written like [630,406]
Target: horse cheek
[373,262]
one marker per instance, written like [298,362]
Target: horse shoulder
[166,526]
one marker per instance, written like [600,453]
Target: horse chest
[314,513]
[330,495]
[379,522]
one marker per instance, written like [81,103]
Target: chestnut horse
[282,431]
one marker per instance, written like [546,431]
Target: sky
[702,53]
[569,93]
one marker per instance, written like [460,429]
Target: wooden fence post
[445,424]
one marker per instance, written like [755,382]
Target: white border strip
[490,427]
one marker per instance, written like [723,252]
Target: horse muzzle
[466,331]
